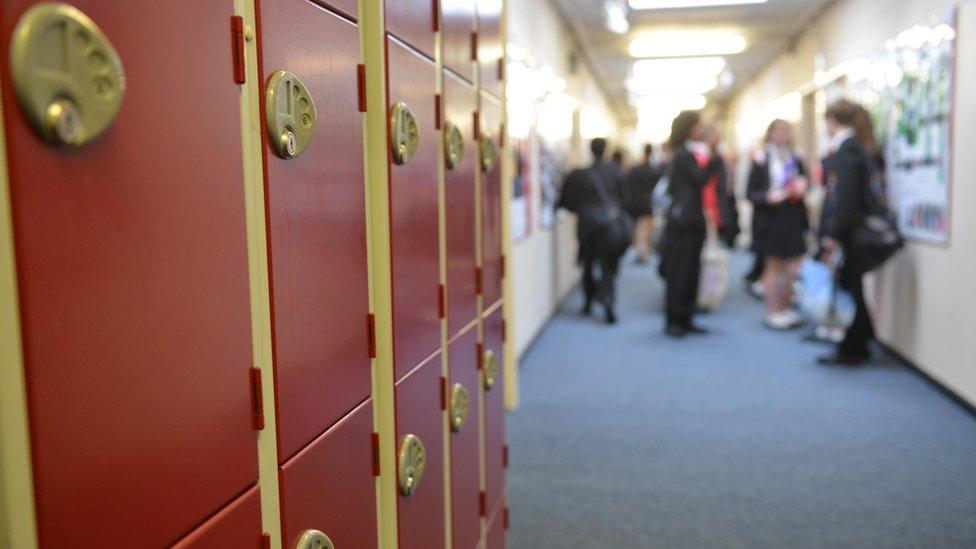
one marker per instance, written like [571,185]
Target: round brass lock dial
[489,152]
[491,369]
[453,145]
[313,539]
[412,461]
[290,114]
[460,406]
[68,76]
[404,133]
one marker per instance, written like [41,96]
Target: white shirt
[839,139]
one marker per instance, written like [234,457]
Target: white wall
[543,268]
[924,300]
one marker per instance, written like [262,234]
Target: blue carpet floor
[735,439]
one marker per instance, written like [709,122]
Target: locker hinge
[371,335]
[375,443]
[481,356]
[437,111]
[483,503]
[505,522]
[474,46]
[257,400]
[437,15]
[441,301]
[265,541]
[361,86]
[477,280]
[443,393]
[505,456]
[504,330]
[237,38]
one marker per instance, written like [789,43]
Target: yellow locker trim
[257,258]
[508,173]
[373,42]
[18,523]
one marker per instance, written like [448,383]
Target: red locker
[491,196]
[347,7]
[237,525]
[457,42]
[465,444]
[414,213]
[495,449]
[461,104]
[496,529]
[418,413]
[132,264]
[490,50]
[329,486]
[414,22]
[317,227]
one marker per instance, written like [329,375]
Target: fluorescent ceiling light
[683,4]
[615,16]
[679,67]
[687,43]
[669,105]
[700,83]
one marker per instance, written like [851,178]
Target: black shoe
[840,359]
[695,329]
[675,331]
[611,317]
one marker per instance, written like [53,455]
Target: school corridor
[626,438]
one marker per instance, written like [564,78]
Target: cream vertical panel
[257,258]
[508,173]
[373,41]
[18,526]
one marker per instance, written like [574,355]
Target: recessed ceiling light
[687,43]
[682,4]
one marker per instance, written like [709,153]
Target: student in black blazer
[848,170]
[684,235]
[777,186]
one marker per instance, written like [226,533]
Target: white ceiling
[768,27]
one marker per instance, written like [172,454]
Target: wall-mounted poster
[908,88]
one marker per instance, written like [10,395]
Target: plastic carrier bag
[822,299]
[714,282]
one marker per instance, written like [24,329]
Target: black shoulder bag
[614,227]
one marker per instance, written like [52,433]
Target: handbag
[876,238]
[615,229]
[714,281]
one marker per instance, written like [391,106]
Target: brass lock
[460,406]
[404,133]
[489,153]
[290,114]
[68,76]
[313,539]
[412,461]
[453,145]
[491,369]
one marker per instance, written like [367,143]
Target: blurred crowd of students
[689,184]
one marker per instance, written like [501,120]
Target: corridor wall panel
[317,227]
[413,22]
[414,213]
[460,108]
[133,278]
[491,204]
[329,486]
[465,443]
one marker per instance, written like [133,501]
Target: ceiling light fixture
[687,43]
[615,16]
[678,68]
[684,4]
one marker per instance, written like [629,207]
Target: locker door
[460,102]
[490,49]
[418,413]
[465,444]
[494,413]
[496,529]
[413,210]
[348,7]
[329,486]
[317,227]
[132,262]
[414,22]
[491,197]
[456,38]
[237,525]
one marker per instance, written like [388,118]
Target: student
[848,172]
[585,193]
[684,235]
[640,203]
[777,185]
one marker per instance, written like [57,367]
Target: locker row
[256,266]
